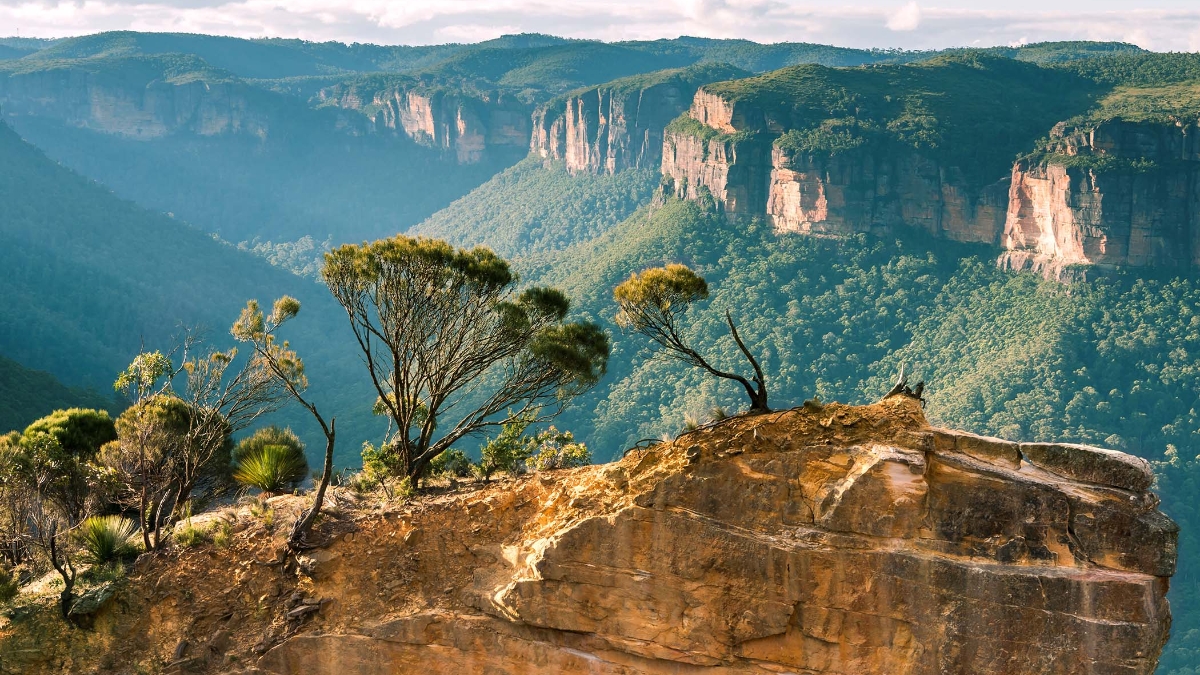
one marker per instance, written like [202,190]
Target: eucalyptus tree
[454,346]
[652,304]
[285,367]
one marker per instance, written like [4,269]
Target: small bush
[222,535]
[271,435]
[557,450]
[8,585]
[452,462]
[272,468]
[107,539]
[507,451]
[188,535]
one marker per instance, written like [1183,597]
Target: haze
[1170,25]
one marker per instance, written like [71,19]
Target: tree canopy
[452,343]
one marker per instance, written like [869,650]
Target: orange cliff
[1139,206]
[825,539]
[470,129]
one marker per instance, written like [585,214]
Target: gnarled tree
[451,344]
[285,367]
[652,304]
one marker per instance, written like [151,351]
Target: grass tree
[453,346]
[653,303]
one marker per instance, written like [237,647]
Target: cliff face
[467,128]
[1145,214]
[732,171]
[1137,205]
[618,125]
[880,192]
[133,107]
[820,540]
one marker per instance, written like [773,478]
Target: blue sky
[1166,25]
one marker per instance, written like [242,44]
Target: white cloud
[869,23]
[906,18]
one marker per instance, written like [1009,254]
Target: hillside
[27,395]
[90,279]
[177,135]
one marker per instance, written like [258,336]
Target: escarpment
[619,125]
[826,539]
[142,101]
[1109,194]
[1114,193]
[469,128]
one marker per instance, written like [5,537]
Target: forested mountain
[26,395]
[90,280]
[584,162]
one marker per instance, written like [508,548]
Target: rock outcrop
[873,190]
[469,128]
[619,125]
[142,102]
[1114,194]
[728,150]
[826,539]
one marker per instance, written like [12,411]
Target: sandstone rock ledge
[821,540]
[835,540]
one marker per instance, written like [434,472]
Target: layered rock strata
[468,128]
[826,539]
[881,193]
[619,125]
[133,108]
[1115,194]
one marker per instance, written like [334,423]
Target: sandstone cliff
[1113,193]
[1116,193]
[883,192]
[142,101]
[619,125]
[467,127]
[834,539]
[879,188]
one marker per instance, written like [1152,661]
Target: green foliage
[507,451]
[9,587]
[269,435]
[528,208]
[452,462]
[54,459]
[107,539]
[78,431]
[272,468]
[554,449]
[302,257]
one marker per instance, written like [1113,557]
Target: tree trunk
[296,540]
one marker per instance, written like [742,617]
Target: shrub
[553,449]
[188,535]
[107,539]
[452,462]
[507,451]
[8,585]
[272,468]
[272,435]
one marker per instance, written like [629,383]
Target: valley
[1019,227]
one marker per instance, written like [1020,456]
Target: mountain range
[1020,226]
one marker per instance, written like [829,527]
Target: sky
[1165,25]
